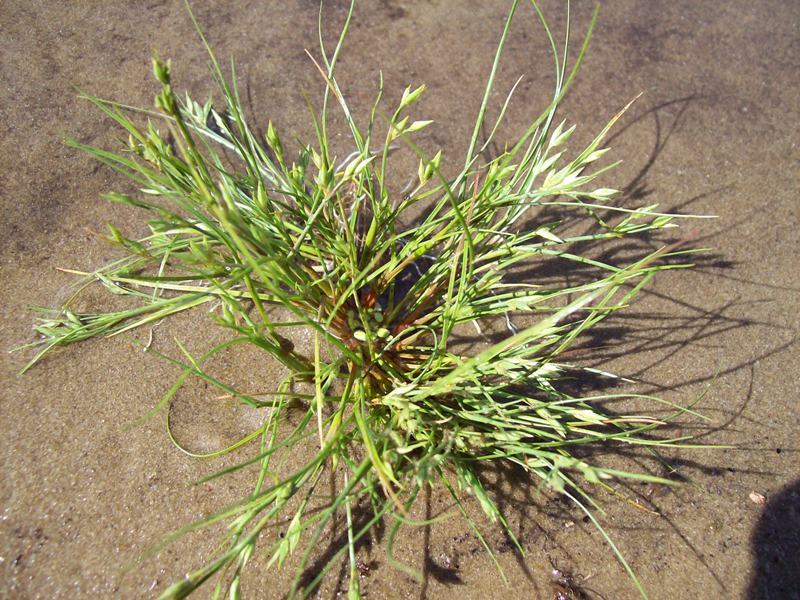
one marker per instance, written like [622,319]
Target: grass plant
[383,281]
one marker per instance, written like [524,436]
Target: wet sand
[715,132]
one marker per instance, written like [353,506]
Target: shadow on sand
[775,546]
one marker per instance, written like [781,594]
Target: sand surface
[715,132]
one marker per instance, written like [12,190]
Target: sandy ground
[715,132]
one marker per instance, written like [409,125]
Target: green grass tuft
[384,282]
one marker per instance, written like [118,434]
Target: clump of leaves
[382,281]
